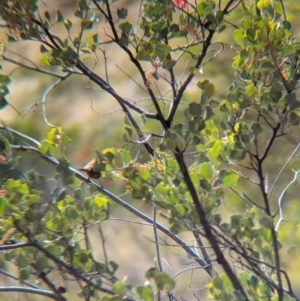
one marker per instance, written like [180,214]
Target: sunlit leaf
[145,293]
[207,171]
[238,36]
[4,79]
[229,179]
[2,205]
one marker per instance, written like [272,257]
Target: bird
[92,169]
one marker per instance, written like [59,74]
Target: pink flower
[179,3]
[2,192]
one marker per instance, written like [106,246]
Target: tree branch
[119,201]
[206,226]
[36,291]
[176,101]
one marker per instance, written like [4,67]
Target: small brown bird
[92,169]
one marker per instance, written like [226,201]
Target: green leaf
[78,13]
[119,288]
[195,109]
[286,25]
[126,156]
[43,49]
[59,16]
[83,256]
[168,64]
[263,4]
[53,250]
[209,88]
[152,273]
[68,24]
[125,27]
[164,282]
[24,274]
[22,260]
[42,264]
[215,152]
[266,221]
[238,36]
[256,129]
[207,171]
[143,55]
[100,201]
[86,24]
[4,79]
[253,281]
[71,212]
[129,131]
[83,5]
[145,293]
[161,50]
[204,184]
[250,90]
[228,178]
[23,188]
[3,203]
[122,13]
[92,39]
[218,283]
[180,209]
[113,266]
[294,119]
[3,102]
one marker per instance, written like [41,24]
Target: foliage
[202,151]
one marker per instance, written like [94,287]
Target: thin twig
[36,69]
[14,246]
[103,245]
[283,168]
[156,236]
[17,278]
[281,200]
[204,252]
[36,291]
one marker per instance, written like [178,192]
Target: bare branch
[14,246]
[36,291]
[281,200]
[282,169]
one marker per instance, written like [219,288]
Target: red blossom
[2,192]
[179,3]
